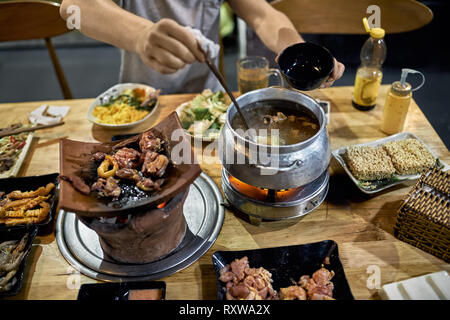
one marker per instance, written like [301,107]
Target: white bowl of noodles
[120,106]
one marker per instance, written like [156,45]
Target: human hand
[166,46]
[338,71]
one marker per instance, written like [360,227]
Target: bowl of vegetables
[204,116]
[124,105]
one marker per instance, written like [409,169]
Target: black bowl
[287,263]
[306,66]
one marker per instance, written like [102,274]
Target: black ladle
[222,81]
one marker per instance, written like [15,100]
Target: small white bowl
[115,90]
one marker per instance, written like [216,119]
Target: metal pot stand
[204,217]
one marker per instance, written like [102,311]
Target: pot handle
[295,164]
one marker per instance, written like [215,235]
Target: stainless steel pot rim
[288,91]
[321,182]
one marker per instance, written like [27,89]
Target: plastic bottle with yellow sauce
[369,74]
[397,103]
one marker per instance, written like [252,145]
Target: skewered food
[245,283]
[409,156]
[29,207]
[11,147]
[11,255]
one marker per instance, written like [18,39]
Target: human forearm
[105,21]
[163,45]
[274,29]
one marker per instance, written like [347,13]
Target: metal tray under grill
[204,216]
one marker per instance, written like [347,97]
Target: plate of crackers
[28,201]
[383,163]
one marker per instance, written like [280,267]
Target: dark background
[26,73]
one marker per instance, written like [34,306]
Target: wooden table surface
[361,225]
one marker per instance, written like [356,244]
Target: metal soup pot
[290,166]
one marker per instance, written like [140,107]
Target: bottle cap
[377,33]
[404,88]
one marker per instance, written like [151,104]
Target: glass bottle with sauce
[397,103]
[369,74]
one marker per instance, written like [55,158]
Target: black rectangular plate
[17,234]
[32,183]
[289,263]
[111,291]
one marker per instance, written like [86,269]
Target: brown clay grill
[76,155]
[140,231]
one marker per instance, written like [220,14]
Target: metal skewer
[222,81]
[4,133]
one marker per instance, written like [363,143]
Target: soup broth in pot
[294,123]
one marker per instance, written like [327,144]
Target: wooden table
[361,225]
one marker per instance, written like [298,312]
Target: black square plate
[289,263]
[32,183]
[17,234]
[111,291]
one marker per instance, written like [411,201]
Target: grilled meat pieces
[42,191]
[155,164]
[143,183]
[107,188]
[77,183]
[149,142]
[128,158]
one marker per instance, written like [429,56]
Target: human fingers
[184,36]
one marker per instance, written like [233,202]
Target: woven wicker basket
[423,218]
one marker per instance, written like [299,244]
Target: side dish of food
[23,208]
[245,283]
[124,105]
[383,163]
[204,116]
[13,150]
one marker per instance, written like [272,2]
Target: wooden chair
[345,16]
[26,20]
